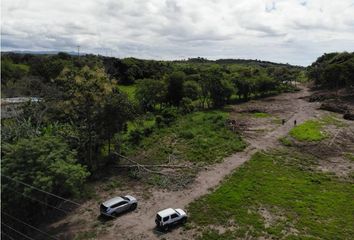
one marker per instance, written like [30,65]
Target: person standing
[295,122]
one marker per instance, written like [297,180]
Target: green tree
[333,70]
[220,89]
[175,87]
[191,90]
[265,84]
[12,71]
[151,92]
[45,162]
[86,96]
[48,69]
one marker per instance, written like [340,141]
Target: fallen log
[158,166]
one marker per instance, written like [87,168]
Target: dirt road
[140,224]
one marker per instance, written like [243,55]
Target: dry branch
[158,166]
[335,136]
[141,166]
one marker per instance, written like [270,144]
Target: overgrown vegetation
[45,162]
[200,137]
[276,195]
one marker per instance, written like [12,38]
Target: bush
[186,134]
[186,106]
[136,135]
[166,116]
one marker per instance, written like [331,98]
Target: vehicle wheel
[166,228]
[133,206]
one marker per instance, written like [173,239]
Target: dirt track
[140,224]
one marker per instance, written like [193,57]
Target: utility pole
[78,50]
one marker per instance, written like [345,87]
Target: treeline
[238,61]
[213,85]
[28,74]
[69,135]
[333,70]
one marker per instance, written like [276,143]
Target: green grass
[261,115]
[312,204]
[112,184]
[86,235]
[199,137]
[129,90]
[310,130]
[146,122]
[349,156]
[285,141]
[330,119]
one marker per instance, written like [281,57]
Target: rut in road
[140,224]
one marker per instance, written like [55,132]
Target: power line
[78,50]
[54,195]
[44,203]
[3,233]
[44,233]
[22,234]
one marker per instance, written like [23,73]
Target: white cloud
[294,31]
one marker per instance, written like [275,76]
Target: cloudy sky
[293,31]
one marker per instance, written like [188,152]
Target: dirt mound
[341,101]
[349,115]
[334,106]
[319,97]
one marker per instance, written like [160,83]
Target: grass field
[129,90]
[199,137]
[310,130]
[279,197]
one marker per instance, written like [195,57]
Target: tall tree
[191,90]
[219,87]
[151,92]
[86,96]
[175,87]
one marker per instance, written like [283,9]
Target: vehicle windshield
[125,198]
[158,217]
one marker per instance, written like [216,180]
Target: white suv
[169,217]
[117,205]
